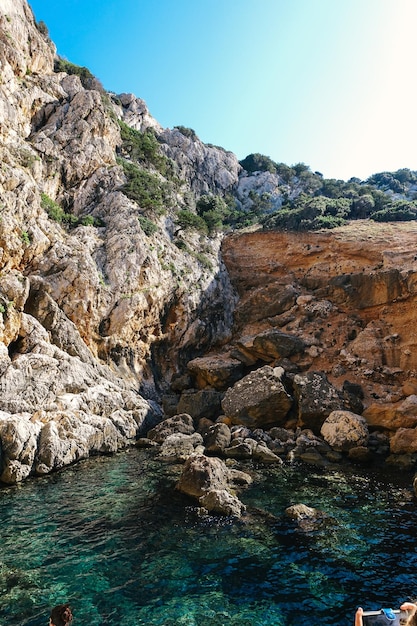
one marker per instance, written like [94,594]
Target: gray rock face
[259,399]
[57,408]
[211,169]
[86,293]
[202,403]
[19,446]
[316,399]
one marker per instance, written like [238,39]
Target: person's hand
[410,607]
[358,617]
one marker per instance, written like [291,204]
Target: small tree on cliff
[214,211]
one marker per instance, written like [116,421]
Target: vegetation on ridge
[303,200]
[88,80]
[311,202]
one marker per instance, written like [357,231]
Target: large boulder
[202,403]
[275,344]
[316,398]
[393,415]
[259,399]
[404,441]
[218,371]
[344,430]
[209,481]
[178,447]
[270,345]
[202,474]
[181,423]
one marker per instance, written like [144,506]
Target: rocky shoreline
[117,312]
[211,452]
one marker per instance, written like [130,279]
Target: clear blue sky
[331,83]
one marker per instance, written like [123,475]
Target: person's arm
[358,617]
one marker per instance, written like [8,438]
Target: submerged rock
[222,502]
[308,518]
[208,479]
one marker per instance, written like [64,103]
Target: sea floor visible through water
[113,537]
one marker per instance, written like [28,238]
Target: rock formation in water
[117,311]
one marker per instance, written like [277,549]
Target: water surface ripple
[113,537]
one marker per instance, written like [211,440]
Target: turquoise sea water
[113,537]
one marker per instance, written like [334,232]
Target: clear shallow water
[112,536]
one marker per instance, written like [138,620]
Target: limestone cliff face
[94,307]
[350,294]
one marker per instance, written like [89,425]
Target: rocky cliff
[324,329]
[101,297]
[350,294]
[108,292]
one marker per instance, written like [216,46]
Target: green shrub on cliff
[144,148]
[147,225]
[187,132]
[214,211]
[258,163]
[42,28]
[57,214]
[145,188]
[187,219]
[53,209]
[309,214]
[397,212]
[88,80]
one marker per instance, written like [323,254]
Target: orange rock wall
[351,293]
